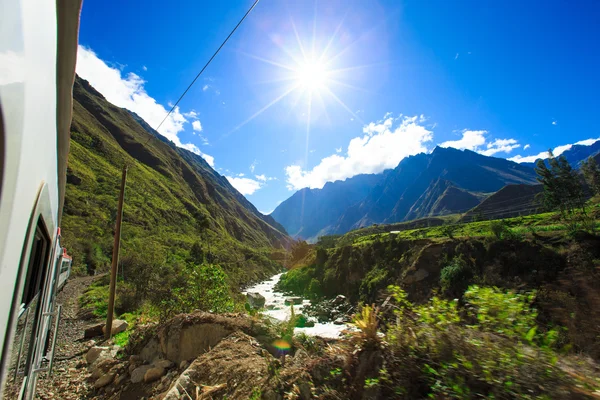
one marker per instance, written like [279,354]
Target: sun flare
[312,75]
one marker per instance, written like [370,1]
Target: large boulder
[118,326]
[238,358]
[256,300]
[91,331]
[95,352]
[187,336]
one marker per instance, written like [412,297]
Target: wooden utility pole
[115,259]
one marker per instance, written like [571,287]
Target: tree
[591,173]
[563,189]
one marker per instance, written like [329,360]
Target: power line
[207,63]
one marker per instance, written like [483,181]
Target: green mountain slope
[174,202]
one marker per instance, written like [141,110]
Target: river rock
[138,374]
[293,300]
[104,380]
[94,353]
[165,364]
[153,374]
[118,326]
[256,300]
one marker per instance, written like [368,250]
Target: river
[276,308]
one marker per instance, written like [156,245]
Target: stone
[138,374]
[135,358]
[339,321]
[119,379]
[92,331]
[102,366]
[94,353]
[339,299]
[293,300]
[118,326]
[165,364]
[256,300]
[153,374]
[104,380]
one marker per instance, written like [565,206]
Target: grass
[538,223]
[96,298]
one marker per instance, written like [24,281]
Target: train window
[36,270]
[31,301]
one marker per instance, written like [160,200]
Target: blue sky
[308,92]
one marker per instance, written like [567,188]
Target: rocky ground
[68,379]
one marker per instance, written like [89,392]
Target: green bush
[456,276]
[493,353]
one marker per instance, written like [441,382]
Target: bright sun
[312,75]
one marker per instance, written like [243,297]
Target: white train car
[64,263]
[38,47]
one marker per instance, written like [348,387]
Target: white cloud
[471,140]
[456,56]
[191,114]
[205,88]
[264,178]
[129,92]
[245,186]
[474,140]
[526,147]
[197,126]
[241,174]
[557,151]
[253,165]
[500,146]
[338,150]
[554,122]
[145,68]
[266,212]
[383,146]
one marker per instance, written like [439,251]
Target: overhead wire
[205,66]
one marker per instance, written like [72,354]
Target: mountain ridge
[175,203]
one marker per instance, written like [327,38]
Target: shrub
[449,230]
[366,321]
[434,353]
[456,276]
[501,231]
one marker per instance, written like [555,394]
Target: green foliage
[449,230]
[300,281]
[563,188]
[366,321]
[505,313]
[375,280]
[122,338]
[501,231]
[95,298]
[177,210]
[256,394]
[206,289]
[591,173]
[371,382]
[456,276]
[496,354]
